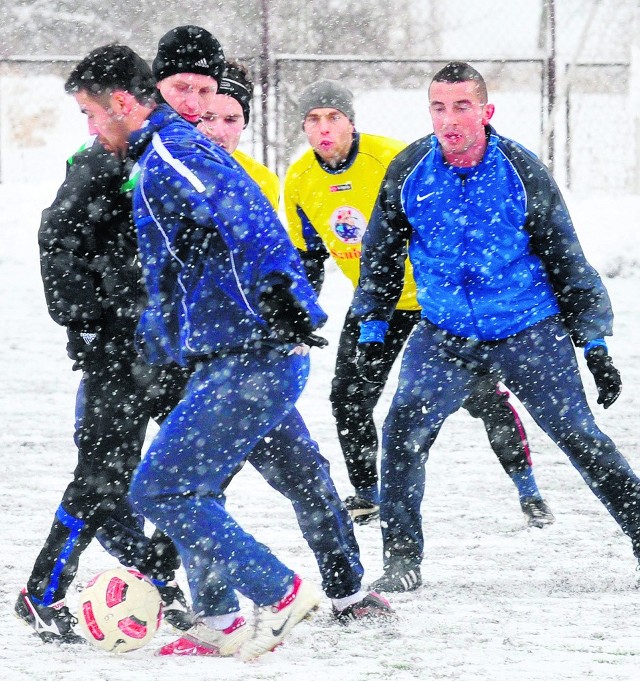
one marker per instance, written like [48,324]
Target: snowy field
[500,601]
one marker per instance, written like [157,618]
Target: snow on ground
[500,601]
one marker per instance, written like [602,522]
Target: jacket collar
[139,139]
[489,153]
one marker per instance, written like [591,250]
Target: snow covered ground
[500,601]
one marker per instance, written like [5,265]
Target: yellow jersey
[335,205]
[266,179]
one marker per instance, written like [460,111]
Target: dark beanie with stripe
[235,83]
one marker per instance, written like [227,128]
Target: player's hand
[287,319]
[83,344]
[369,362]
[606,376]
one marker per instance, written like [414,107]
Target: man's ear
[489,110]
[122,102]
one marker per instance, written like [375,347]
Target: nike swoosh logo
[424,196]
[559,338]
[277,632]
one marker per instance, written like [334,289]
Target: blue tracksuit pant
[237,406]
[539,366]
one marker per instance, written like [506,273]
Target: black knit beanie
[235,83]
[188,49]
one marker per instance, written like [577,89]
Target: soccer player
[227,116]
[93,286]
[329,193]
[506,292]
[227,296]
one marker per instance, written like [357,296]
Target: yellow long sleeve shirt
[266,179]
[335,206]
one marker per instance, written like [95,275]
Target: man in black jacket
[93,286]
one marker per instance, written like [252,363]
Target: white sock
[221,622]
[342,603]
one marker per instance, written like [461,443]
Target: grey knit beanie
[326,94]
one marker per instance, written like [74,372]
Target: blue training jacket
[493,247]
[210,243]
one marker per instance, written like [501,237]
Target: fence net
[579,52]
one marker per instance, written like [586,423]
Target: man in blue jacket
[227,297]
[504,289]
[92,283]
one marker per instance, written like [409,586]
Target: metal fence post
[265,55]
[551,79]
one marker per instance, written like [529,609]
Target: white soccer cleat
[370,608]
[175,609]
[273,622]
[203,640]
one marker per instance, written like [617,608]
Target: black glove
[369,361]
[313,262]
[286,318]
[605,375]
[315,341]
[83,343]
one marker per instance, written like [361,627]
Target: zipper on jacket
[463,184]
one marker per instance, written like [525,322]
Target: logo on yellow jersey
[348,224]
[344,187]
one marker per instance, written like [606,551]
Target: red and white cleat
[202,640]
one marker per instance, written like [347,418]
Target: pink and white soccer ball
[120,610]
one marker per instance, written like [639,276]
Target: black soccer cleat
[175,608]
[372,607]
[536,512]
[53,623]
[398,580]
[362,511]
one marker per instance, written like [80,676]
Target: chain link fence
[601,149]
[559,72]
[391,96]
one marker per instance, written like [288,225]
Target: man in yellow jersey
[329,193]
[227,115]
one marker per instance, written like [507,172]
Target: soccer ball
[120,610]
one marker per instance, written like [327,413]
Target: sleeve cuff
[373,331]
[85,326]
[595,343]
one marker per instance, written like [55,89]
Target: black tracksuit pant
[118,394]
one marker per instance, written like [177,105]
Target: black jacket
[88,248]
